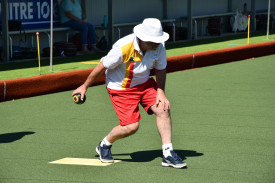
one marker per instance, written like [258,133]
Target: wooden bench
[33,31]
[195,18]
[69,29]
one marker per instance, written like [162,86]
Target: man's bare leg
[163,118]
[119,132]
[164,125]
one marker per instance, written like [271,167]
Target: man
[128,82]
[71,15]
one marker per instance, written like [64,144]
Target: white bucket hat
[151,30]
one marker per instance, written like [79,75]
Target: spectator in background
[71,15]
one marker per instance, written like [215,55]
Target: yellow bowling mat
[82,161]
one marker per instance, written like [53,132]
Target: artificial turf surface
[223,124]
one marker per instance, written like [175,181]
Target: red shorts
[126,102]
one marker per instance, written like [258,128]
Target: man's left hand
[162,100]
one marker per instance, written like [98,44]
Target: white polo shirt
[128,67]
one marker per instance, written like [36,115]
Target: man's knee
[82,27]
[160,111]
[132,128]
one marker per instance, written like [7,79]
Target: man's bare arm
[96,73]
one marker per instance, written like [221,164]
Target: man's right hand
[80,90]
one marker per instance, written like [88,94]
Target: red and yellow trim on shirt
[130,56]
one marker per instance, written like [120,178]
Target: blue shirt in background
[67,5]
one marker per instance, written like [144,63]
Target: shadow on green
[147,156]
[11,137]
